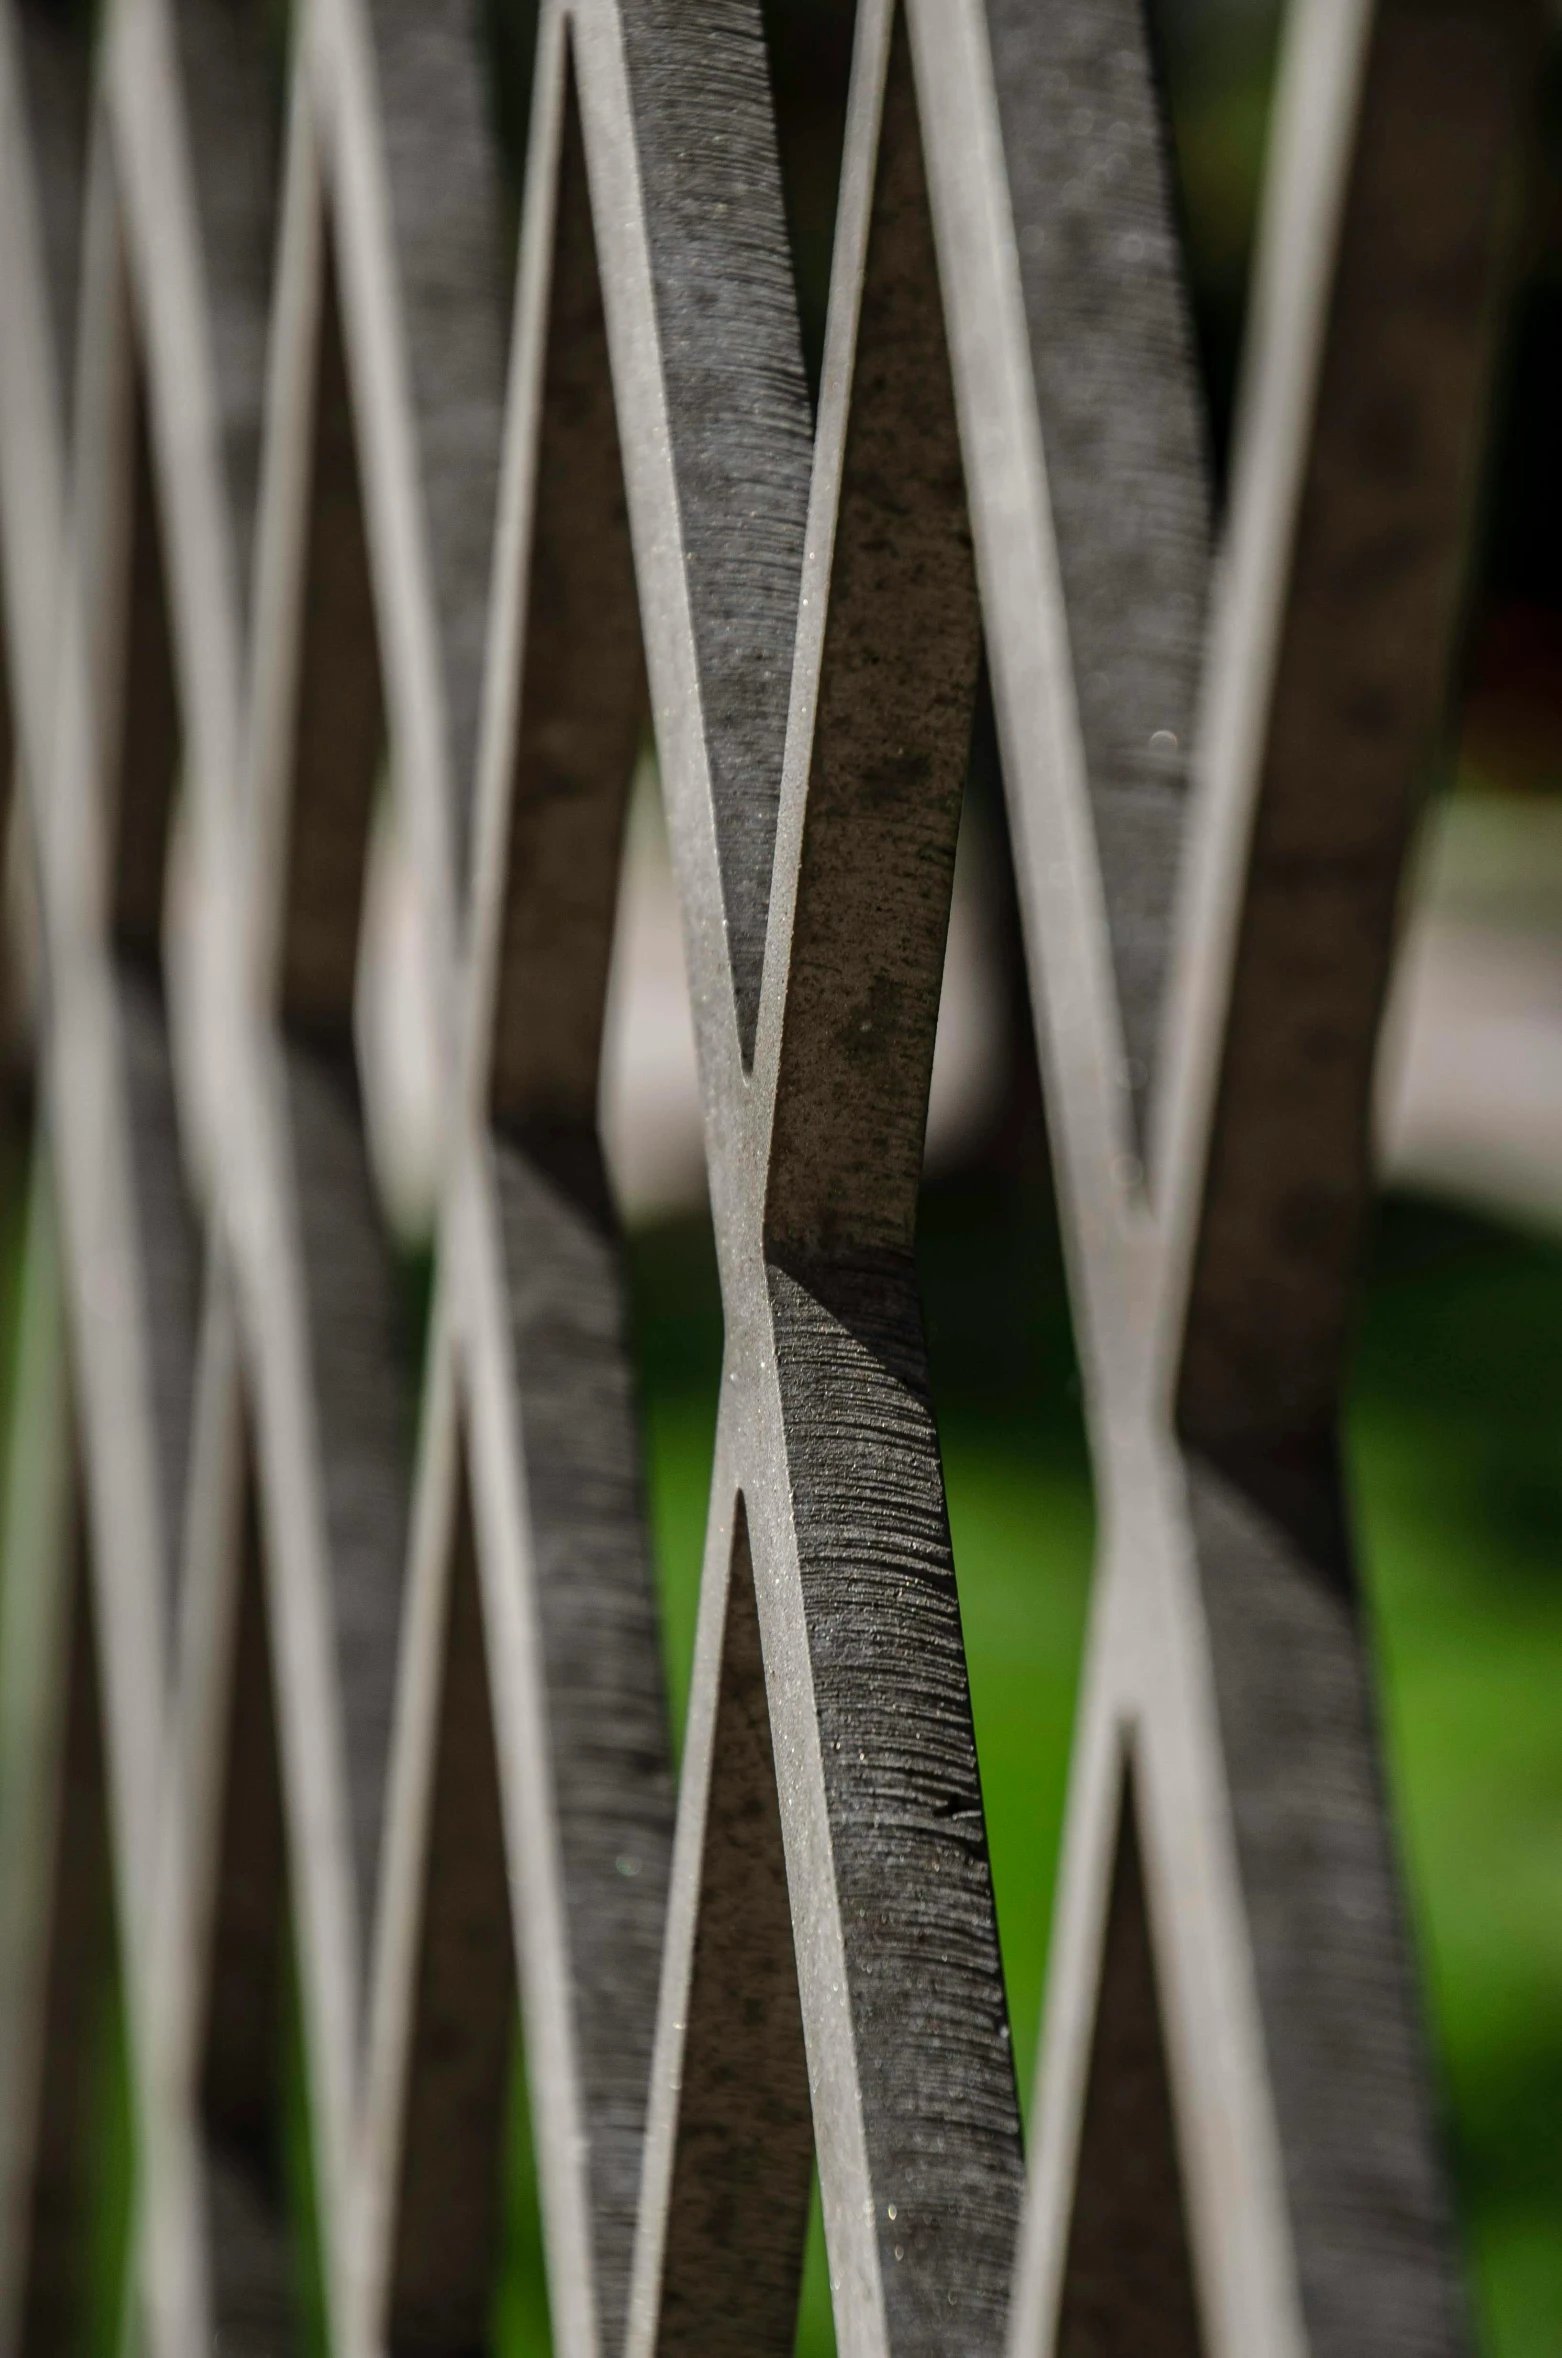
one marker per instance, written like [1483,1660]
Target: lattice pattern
[267,1699]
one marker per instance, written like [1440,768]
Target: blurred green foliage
[108,2183]
[1456,1431]
[296,2168]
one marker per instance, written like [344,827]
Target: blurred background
[1455,1416]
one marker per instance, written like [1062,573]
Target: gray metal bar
[412,1721]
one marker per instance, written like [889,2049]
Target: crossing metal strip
[411,1730]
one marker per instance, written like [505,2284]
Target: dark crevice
[76,2280]
[1003,1368]
[56,45]
[363,1292]
[738,2203]
[253,2086]
[579,728]
[233,64]
[463,2152]
[810,43]
[509,36]
[1128,2277]
[145,791]
[1214,65]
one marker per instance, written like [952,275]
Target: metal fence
[313,493]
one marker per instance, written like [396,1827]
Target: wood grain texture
[1352,2094]
[892,735]
[901,1777]
[738,408]
[1122,419]
[606,1703]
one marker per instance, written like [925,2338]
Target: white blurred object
[1469,1085]
[650,1098]
[398,1054]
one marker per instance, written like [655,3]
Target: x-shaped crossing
[411,1729]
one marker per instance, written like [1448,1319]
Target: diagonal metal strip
[569,1629]
[1085,148]
[442,1695]
[1373,601]
[1362,408]
[826,1425]
[96,1096]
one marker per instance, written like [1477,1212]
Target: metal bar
[383,1712]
